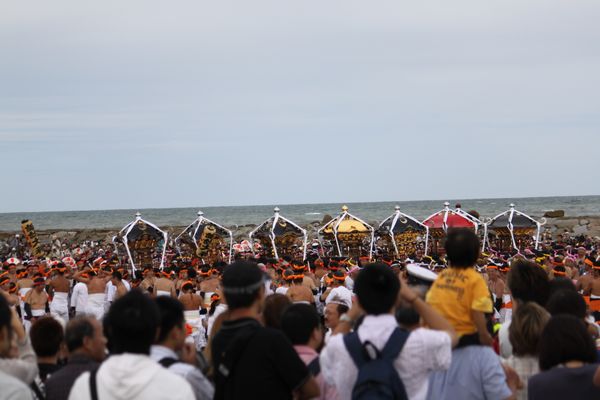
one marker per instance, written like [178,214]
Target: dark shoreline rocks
[554,214]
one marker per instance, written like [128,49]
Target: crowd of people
[82,324]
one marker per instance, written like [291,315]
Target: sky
[148,104]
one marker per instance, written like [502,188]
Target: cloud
[237,102]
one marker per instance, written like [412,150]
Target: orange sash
[594,304]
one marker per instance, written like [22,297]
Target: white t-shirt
[79,297]
[425,351]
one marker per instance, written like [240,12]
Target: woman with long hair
[525,330]
[568,361]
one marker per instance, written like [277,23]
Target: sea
[302,214]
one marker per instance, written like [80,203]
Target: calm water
[299,213]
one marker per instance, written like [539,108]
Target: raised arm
[77,276]
[431,317]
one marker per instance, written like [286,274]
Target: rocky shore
[583,225]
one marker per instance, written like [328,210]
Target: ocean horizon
[303,214]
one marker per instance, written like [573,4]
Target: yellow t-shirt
[455,293]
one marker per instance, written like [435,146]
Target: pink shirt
[307,354]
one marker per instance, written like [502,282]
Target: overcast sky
[136,104]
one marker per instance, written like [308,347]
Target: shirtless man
[5,283]
[595,292]
[59,290]
[584,283]
[203,273]
[496,285]
[147,283]
[559,271]
[34,268]
[300,293]
[117,281]
[12,272]
[183,277]
[24,285]
[96,291]
[190,300]
[309,280]
[209,285]
[287,277]
[581,257]
[571,270]
[320,270]
[163,286]
[36,301]
[24,281]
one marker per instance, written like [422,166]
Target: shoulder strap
[314,366]
[168,361]
[234,351]
[36,390]
[395,344]
[355,349]
[93,388]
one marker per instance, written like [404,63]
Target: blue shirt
[475,373]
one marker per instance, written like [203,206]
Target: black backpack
[377,376]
